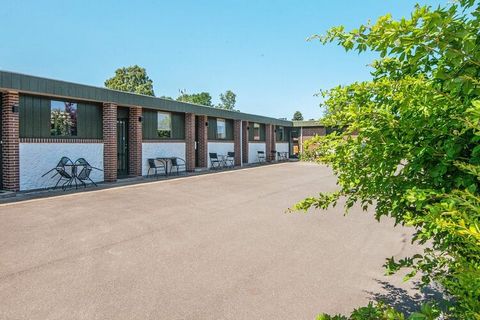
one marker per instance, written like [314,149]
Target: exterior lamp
[206,123]
[140,119]
[15,108]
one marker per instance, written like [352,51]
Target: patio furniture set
[220,161]
[166,164]
[69,173]
[274,155]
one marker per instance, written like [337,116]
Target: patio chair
[230,159]
[177,163]
[82,171]
[61,170]
[215,162]
[281,156]
[152,165]
[261,156]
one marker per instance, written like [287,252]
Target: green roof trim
[56,88]
[308,123]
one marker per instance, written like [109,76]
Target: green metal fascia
[55,88]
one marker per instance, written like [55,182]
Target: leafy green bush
[410,145]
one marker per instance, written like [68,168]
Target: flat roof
[68,90]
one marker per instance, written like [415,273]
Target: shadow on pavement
[405,302]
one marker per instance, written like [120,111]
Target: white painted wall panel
[161,149]
[253,147]
[220,148]
[38,158]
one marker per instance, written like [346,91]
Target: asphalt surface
[217,246]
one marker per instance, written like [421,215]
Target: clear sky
[256,48]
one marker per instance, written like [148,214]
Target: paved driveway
[213,246]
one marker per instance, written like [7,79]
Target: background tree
[227,101]
[410,147]
[131,79]
[202,98]
[297,116]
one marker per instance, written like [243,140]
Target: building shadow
[406,302]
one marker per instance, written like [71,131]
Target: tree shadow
[404,301]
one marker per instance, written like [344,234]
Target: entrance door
[122,147]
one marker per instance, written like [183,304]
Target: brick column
[237,141]
[274,141]
[268,142]
[202,141]
[135,141]
[110,142]
[10,138]
[245,126]
[190,141]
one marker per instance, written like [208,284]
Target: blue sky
[256,48]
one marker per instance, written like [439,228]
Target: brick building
[302,131]
[42,120]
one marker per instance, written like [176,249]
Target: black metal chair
[261,156]
[177,163]
[281,156]
[215,163]
[82,171]
[230,159]
[272,156]
[61,170]
[152,165]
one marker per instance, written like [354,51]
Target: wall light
[206,123]
[140,119]
[15,108]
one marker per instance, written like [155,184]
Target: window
[63,118]
[281,133]
[164,124]
[221,129]
[256,131]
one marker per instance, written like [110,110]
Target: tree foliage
[297,116]
[202,98]
[227,101]
[410,145]
[131,79]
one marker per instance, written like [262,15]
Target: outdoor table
[165,161]
[223,159]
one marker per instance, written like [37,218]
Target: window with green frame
[221,129]
[256,131]
[63,118]
[164,124]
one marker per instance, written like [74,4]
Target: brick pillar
[110,142]
[268,141]
[10,138]
[135,141]
[274,141]
[190,141]
[237,141]
[245,126]
[202,141]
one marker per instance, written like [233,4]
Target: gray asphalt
[216,246]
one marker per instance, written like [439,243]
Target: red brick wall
[110,142]
[310,132]
[135,141]
[202,141]
[10,138]
[245,125]
[237,127]
[190,141]
[268,141]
